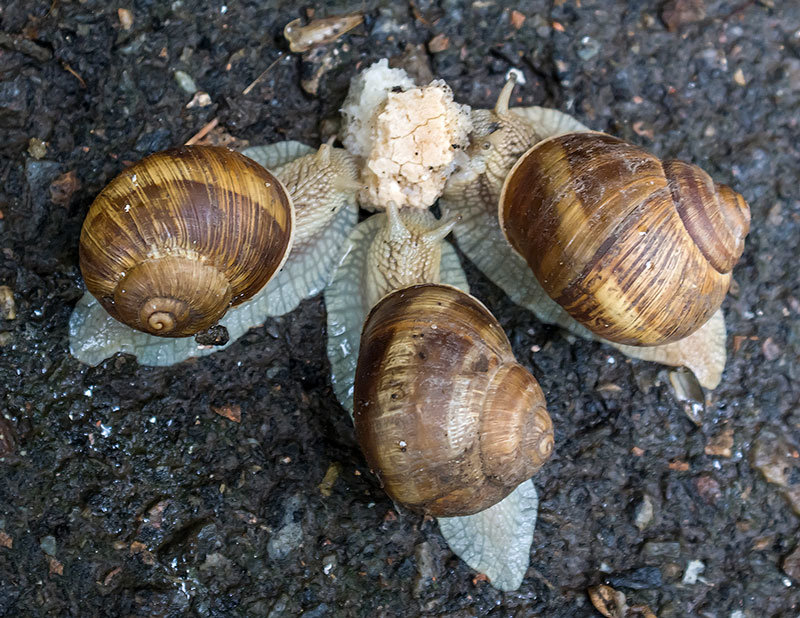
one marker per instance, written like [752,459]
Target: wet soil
[130,491]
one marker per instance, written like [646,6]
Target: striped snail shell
[638,250]
[446,417]
[182,235]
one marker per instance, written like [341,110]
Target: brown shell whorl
[716,217]
[435,371]
[201,228]
[515,445]
[638,252]
[171,296]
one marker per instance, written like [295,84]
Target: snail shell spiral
[179,237]
[446,417]
[638,250]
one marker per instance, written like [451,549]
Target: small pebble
[333,472]
[426,568]
[708,488]
[55,567]
[774,216]
[678,13]
[63,187]
[289,536]
[185,82]
[770,349]
[589,48]
[721,444]
[37,148]
[200,99]
[773,456]
[48,545]
[328,564]
[517,19]
[8,308]
[791,564]
[644,513]
[125,18]
[693,570]
[439,43]
[233,412]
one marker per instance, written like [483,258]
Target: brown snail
[179,237]
[322,185]
[399,249]
[472,193]
[446,417]
[637,250]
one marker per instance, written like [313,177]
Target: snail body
[446,417]
[406,250]
[500,136]
[323,184]
[637,250]
[320,184]
[179,237]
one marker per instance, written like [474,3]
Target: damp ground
[195,490]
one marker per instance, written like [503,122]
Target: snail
[404,248]
[322,185]
[179,237]
[473,193]
[444,414]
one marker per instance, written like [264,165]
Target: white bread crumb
[367,91]
[410,139]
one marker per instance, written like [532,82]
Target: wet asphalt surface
[130,491]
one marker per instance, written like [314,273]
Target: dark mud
[126,491]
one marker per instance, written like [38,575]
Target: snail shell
[637,250]
[446,417]
[176,239]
